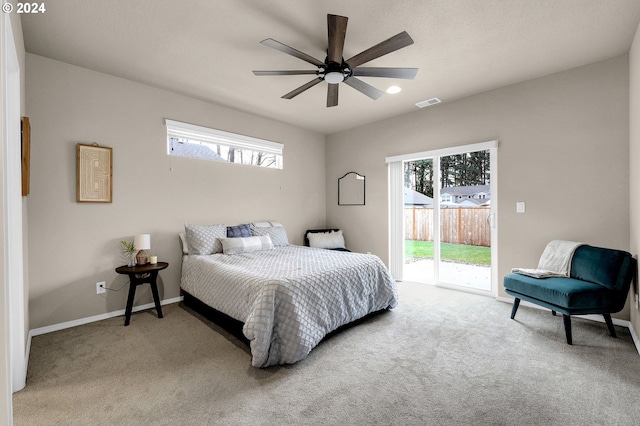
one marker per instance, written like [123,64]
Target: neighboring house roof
[194,150]
[470,202]
[415,198]
[464,190]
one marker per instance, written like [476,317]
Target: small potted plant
[129,252]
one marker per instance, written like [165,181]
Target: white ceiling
[207,49]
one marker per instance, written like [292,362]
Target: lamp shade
[142,242]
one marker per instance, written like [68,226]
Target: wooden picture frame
[25,127]
[94,174]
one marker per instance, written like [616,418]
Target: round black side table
[142,274]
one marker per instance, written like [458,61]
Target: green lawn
[452,252]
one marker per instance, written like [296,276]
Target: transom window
[189,140]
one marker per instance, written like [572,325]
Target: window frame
[207,135]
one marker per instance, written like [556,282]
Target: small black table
[142,274]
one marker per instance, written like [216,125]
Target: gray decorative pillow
[205,239]
[277,233]
[246,244]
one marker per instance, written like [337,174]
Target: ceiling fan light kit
[335,69]
[334,77]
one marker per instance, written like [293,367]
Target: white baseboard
[634,336]
[82,321]
[598,318]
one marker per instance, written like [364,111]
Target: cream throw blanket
[554,262]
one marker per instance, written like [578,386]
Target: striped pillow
[246,244]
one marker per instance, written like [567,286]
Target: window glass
[187,140]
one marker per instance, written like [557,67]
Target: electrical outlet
[101,287]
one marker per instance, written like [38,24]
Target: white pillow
[205,239]
[265,224]
[326,240]
[246,244]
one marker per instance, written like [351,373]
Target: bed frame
[234,327]
[230,325]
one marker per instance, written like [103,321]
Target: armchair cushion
[607,267]
[567,295]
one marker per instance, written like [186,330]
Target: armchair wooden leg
[567,327]
[607,319]
[514,309]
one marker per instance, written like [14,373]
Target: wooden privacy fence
[459,225]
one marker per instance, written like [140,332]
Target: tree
[418,175]
[471,168]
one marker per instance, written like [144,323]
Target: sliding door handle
[491,220]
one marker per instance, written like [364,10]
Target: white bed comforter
[289,298]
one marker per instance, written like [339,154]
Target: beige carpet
[441,357]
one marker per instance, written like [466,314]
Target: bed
[289,297]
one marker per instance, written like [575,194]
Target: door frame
[13,261]
[396,206]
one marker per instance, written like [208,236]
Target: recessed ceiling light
[392,90]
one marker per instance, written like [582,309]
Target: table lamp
[142,242]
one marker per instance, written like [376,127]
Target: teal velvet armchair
[598,283]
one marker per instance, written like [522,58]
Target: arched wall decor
[351,189]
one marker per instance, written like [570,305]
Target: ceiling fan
[335,69]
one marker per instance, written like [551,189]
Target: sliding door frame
[396,205]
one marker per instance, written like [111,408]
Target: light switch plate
[520,207]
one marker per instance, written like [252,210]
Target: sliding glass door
[447,217]
[465,213]
[419,209]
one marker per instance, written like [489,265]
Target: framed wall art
[94,173]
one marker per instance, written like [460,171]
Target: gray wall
[72,245]
[563,150]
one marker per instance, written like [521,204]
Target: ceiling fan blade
[332,95]
[302,88]
[291,51]
[297,72]
[392,44]
[408,73]
[365,88]
[337,28]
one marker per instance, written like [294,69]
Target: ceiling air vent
[428,102]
